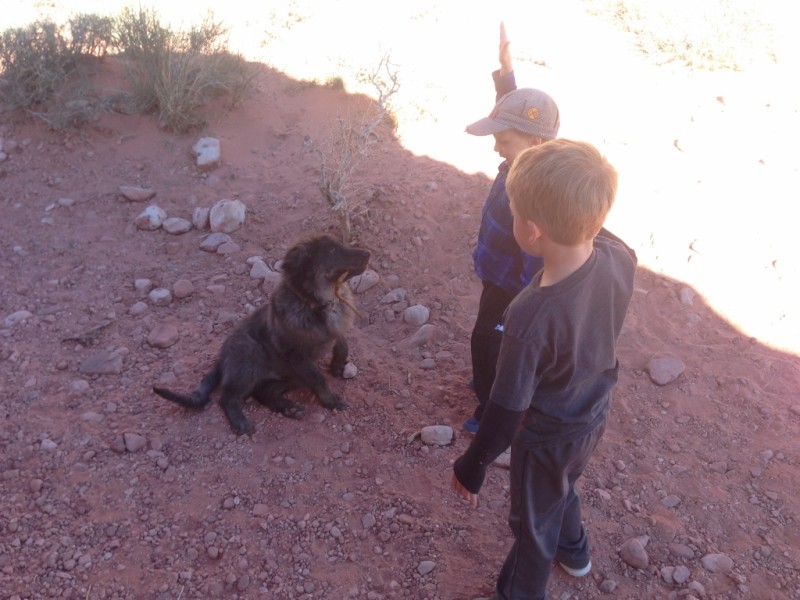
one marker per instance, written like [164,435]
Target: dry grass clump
[700,34]
[45,68]
[175,73]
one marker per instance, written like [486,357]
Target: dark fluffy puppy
[278,347]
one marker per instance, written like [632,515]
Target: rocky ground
[109,492]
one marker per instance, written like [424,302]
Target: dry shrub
[175,73]
[700,34]
[350,142]
[45,68]
[36,61]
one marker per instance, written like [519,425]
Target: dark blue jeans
[545,515]
[485,341]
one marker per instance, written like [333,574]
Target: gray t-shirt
[558,356]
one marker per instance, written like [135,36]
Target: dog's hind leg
[231,401]
[339,359]
[272,394]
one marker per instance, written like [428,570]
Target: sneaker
[581,572]
[471,425]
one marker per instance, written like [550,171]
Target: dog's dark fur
[277,348]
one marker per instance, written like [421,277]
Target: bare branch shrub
[349,144]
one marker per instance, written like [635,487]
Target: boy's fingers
[464,492]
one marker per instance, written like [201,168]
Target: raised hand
[505,51]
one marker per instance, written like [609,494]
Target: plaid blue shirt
[497,257]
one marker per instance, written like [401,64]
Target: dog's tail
[200,397]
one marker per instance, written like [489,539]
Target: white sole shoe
[582,572]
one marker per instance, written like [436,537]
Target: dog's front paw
[333,402]
[242,427]
[293,411]
[337,369]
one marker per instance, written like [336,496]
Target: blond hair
[565,187]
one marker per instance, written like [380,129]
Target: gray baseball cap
[527,110]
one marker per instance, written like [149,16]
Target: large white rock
[208,153]
[227,216]
[150,218]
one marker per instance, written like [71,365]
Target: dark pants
[485,341]
[545,515]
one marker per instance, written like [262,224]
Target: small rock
[160,297]
[176,225]
[608,586]
[427,364]
[229,247]
[350,371]
[425,567]
[134,442]
[416,315]
[396,295]
[422,336]
[681,551]
[603,495]
[717,563]
[163,335]
[437,435]
[681,574]
[102,363]
[670,501]
[138,309]
[665,369]
[212,242]
[368,521]
[143,286]
[361,283]
[667,574]
[136,194]
[208,152]
[259,269]
[271,282]
[17,317]
[151,218]
[504,460]
[200,217]
[633,553]
[183,288]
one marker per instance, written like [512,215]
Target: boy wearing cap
[557,363]
[521,118]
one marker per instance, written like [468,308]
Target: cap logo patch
[533,113]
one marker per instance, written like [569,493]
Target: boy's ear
[534,232]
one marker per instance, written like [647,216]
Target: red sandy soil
[347,504]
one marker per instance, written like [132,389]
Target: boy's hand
[505,51]
[465,493]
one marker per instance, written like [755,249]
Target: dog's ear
[295,259]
